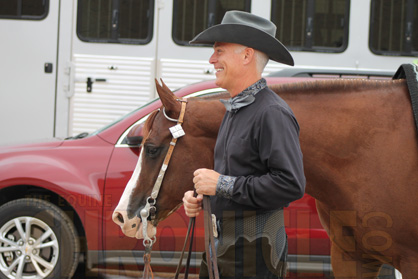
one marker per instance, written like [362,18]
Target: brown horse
[360,151]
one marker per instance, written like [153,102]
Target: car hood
[51,143]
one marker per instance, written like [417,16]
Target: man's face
[227,60]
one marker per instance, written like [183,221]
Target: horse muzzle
[132,227]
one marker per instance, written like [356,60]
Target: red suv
[57,200]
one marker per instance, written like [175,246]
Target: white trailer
[72,66]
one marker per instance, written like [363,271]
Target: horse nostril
[119,217]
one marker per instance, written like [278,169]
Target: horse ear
[169,100]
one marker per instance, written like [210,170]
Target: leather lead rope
[190,230]
[209,243]
[147,267]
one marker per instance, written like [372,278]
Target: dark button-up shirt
[258,154]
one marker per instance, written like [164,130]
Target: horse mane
[331,86]
[215,96]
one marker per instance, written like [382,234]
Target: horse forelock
[332,86]
[148,125]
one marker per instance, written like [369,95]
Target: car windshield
[123,117]
[205,92]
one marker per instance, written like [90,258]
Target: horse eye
[151,151]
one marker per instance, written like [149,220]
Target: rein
[209,243]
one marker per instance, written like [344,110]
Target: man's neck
[243,84]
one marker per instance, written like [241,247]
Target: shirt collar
[246,97]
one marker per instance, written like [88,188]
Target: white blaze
[131,227]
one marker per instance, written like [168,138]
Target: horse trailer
[70,67]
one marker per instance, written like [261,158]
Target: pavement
[116,274]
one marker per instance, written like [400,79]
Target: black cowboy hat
[249,30]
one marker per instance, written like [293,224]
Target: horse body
[360,152]
[361,158]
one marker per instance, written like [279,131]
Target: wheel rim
[28,248]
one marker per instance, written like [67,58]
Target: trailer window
[190,17]
[394,27]
[24,9]
[115,21]
[312,25]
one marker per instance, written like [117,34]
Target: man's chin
[219,83]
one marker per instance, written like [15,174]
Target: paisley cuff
[225,186]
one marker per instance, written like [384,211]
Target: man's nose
[212,59]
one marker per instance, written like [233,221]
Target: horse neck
[206,117]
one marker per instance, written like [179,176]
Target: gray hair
[261,59]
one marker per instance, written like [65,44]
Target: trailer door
[28,55]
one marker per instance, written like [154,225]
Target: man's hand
[205,181]
[192,205]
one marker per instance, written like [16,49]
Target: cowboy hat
[249,30]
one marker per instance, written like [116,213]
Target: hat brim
[248,36]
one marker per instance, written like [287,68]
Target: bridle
[149,211]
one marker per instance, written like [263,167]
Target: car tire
[37,240]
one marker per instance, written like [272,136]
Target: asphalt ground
[97,273]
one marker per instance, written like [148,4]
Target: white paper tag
[177,131]
[214,226]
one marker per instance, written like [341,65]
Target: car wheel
[37,240]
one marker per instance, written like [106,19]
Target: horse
[360,150]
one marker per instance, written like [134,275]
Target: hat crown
[243,18]
[247,29]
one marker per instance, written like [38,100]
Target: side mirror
[135,136]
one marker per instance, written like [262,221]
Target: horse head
[202,117]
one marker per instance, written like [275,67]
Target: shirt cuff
[225,186]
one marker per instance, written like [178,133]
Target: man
[258,162]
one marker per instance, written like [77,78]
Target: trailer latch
[90,83]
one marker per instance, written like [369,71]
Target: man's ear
[249,55]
